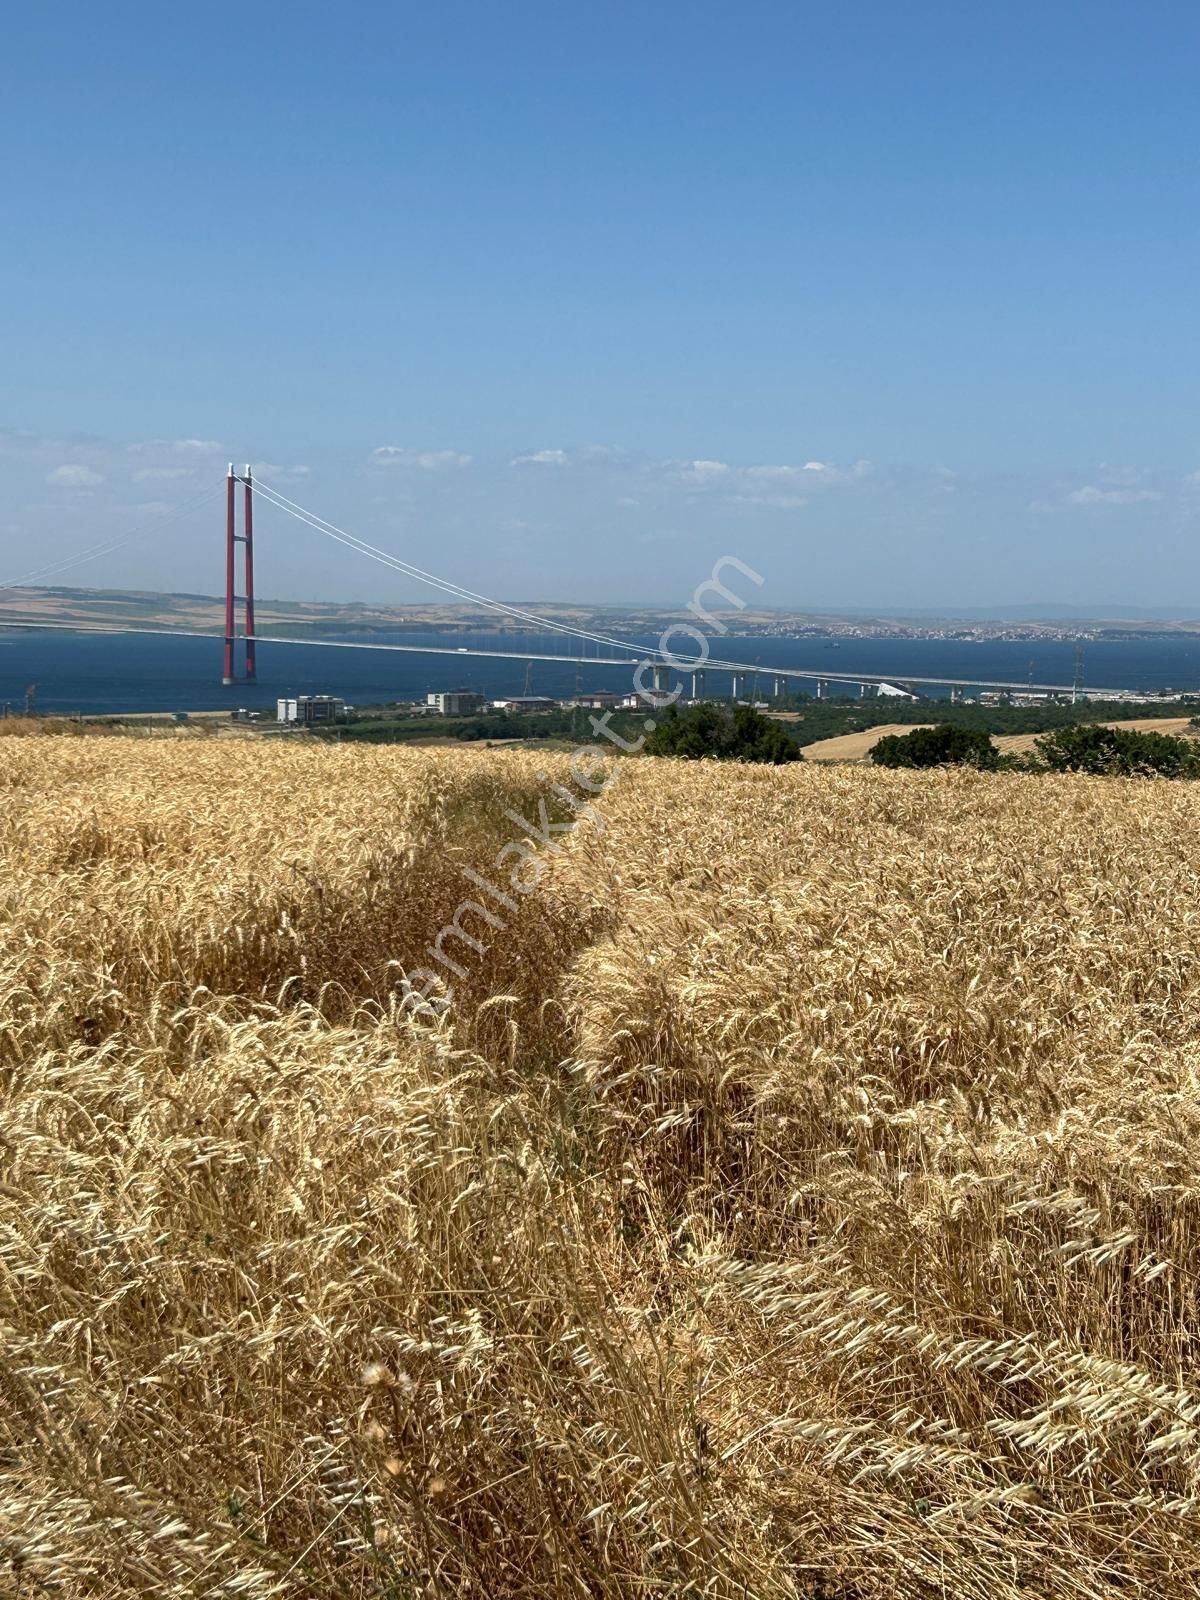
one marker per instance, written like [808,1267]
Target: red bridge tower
[232,538]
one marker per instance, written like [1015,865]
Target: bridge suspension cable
[92,553]
[638,652]
[108,546]
[459,591]
[446,585]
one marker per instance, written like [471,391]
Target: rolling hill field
[798,1195]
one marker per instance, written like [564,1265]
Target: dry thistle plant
[800,1198]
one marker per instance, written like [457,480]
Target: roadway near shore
[858,746]
[153,716]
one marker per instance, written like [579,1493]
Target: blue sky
[897,304]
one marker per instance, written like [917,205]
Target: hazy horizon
[1017,612]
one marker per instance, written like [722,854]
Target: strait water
[121,673]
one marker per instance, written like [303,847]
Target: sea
[99,674]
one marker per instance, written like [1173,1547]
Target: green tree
[722,732]
[943,746]
[1123,752]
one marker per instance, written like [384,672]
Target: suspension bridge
[656,663]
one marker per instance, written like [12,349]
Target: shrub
[721,731]
[943,746]
[1119,751]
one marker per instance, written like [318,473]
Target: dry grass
[1022,743]
[857,746]
[800,1200]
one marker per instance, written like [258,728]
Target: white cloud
[161,474]
[1092,494]
[73,476]
[541,458]
[176,447]
[705,473]
[779,502]
[752,483]
[394,455]
[272,470]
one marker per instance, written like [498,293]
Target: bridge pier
[661,677]
[780,687]
[822,689]
[698,684]
[739,685]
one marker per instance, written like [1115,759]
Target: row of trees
[1092,748]
[741,734]
[826,719]
[728,733]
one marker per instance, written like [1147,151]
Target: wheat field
[799,1196]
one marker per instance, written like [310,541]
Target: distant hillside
[62,604]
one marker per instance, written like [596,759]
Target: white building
[453,702]
[598,702]
[306,708]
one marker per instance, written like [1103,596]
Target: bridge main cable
[640,652]
[546,624]
[107,547]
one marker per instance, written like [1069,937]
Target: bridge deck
[637,654]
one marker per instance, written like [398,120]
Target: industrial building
[599,702]
[526,702]
[454,702]
[306,708]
